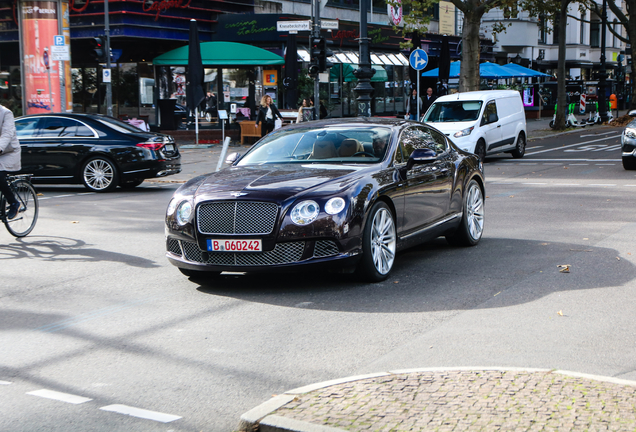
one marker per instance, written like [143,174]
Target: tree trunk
[559,123]
[469,71]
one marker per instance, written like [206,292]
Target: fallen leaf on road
[396,282]
[74,221]
[40,194]
[565,268]
[565,167]
[544,244]
[618,258]
[497,294]
[512,196]
[560,313]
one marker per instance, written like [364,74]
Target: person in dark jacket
[412,105]
[428,100]
[267,113]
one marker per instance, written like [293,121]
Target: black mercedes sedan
[341,193]
[98,151]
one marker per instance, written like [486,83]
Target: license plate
[169,147]
[235,245]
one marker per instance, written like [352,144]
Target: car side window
[397,157]
[438,142]
[27,127]
[55,127]
[490,113]
[417,137]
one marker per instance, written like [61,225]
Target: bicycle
[24,191]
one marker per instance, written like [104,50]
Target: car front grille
[325,248]
[237,217]
[283,253]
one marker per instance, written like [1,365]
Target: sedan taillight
[151,145]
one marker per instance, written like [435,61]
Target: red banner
[41,75]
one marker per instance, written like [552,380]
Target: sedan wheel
[379,245]
[99,175]
[471,227]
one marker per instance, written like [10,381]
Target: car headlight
[171,206]
[464,132]
[630,133]
[334,206]
[184,212]
[305,212]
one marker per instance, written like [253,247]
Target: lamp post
[602,75]
[365,71]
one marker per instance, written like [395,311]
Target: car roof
[478,95]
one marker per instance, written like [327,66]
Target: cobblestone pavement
[461,400]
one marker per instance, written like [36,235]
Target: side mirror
[232,157]
[421,156]
[632,113]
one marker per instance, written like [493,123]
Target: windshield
[365,144]
[453,111]
[119,125]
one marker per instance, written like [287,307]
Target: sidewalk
[453,399]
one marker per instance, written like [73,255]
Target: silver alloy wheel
[99,174]
[383,242]
[475,212]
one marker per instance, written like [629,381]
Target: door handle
[499,126]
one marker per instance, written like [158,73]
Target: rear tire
[520,149]
[27,216]
[471,227]
[629,162]
[99,174]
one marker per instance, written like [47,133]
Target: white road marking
[571,145]
[602,185]
[533,147]
[5,382]
[141,413]
[606,164]
[580,164]
[567,184]
[534,183]
[63,397]
[66,196]
[604,133]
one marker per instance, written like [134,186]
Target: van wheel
[520,149]
[480,149]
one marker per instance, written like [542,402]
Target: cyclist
[9,158]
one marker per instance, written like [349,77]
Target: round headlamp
[184,212]
[305,212]
[334,206]
[172,206]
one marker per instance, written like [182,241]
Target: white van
[481,122]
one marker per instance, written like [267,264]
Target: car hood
[450,128]
[277,182]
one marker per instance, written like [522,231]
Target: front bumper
[285,255]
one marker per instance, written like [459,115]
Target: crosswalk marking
[63,397]
[141,413]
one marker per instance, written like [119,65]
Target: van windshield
[453,111]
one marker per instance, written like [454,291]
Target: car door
[490,126]
[428,186]
[59,146]
[26,130]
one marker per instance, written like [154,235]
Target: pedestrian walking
[414,102]
[267,114]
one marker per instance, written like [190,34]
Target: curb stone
[263,419]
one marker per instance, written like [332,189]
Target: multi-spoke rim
[475,212]
[98,174]
[383,241]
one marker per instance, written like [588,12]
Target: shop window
[236,90]
[126,89]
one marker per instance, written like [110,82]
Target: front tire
[99,175]
[471,227]
[27,216]
[379,245]
[480,150]
[629,162]
[520,149]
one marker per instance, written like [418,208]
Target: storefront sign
[159,6]
[446,18]
[270,77]
[282,26]
[342,35]
[41,86]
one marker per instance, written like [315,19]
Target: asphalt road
[90,307]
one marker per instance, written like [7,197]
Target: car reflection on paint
[346,194]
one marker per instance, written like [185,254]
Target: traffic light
[325,52]
[314,68]
[99,49]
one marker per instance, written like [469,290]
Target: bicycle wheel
[24,222]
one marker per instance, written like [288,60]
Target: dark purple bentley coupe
[342,193]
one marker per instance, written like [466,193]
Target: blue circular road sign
[418,59]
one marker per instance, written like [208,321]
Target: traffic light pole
[109,87]
[315,34]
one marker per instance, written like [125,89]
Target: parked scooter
[571,119]
[595,116]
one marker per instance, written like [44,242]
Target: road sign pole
[418,96]
[418,61]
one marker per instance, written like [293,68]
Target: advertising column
[39,24]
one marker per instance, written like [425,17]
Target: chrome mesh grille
[237,217]
[173,246]
[325,248]
[283,253]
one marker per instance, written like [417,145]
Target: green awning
[222,54]
[348,68]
